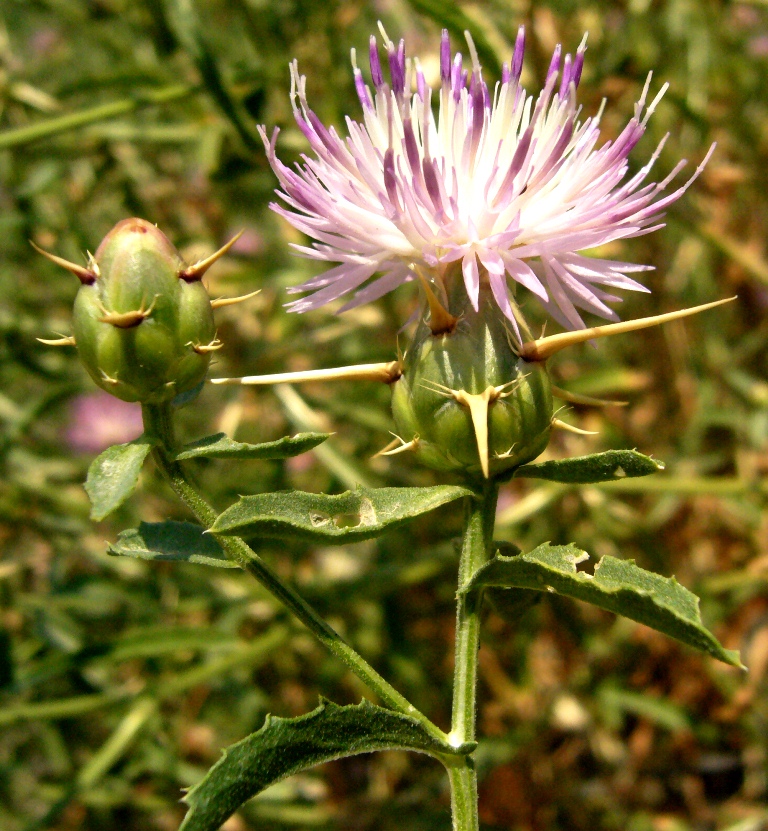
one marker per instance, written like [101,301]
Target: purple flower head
[511,186]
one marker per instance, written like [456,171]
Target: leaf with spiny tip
[618,586]
[220,446]
[609,466]
[170,541]
[346,517]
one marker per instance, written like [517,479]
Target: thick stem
[158,424]
[476,550]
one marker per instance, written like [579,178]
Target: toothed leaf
[346,517]
[618,586]
[597,467]
[178,541]
[113,475]
[284,746]
[219,446]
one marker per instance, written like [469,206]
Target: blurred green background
[121,681]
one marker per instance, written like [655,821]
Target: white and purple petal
[512,185]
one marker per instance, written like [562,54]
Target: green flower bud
[467,399]
[143,322]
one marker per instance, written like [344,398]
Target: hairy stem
[476,549]
[158,423]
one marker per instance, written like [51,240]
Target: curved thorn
[64,340]
[543,348]
[441,321]
[196,271]
[204,349]
[86,276]
[127,320]
[397,445]
[396,442]
[478,411]
[218,302]
[571,429]
[386,372]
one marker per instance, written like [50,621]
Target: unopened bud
[468,399]
[144,330]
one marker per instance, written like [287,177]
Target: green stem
[158,423]
[102,112]
[476,550]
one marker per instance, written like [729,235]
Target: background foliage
[121,680]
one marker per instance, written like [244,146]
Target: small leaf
[180,541]
[284,746]
[598,467]
[113,475]
[346,517]
[618,586]
[219,446]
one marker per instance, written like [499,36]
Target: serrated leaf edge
[325,705]
[585,577]
[248,446]
[224,528]
[525,470]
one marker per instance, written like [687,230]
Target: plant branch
[158,424]
[475,551]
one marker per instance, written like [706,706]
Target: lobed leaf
[179,541]
[220,446]
[114,474]
[597,467]
[284,746]
[618,586]
[346,517]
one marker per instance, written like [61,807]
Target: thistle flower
[511,187]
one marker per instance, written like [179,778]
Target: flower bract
[488,182]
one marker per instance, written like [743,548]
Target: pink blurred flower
[510,186]
[98,420]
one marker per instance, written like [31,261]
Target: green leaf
[598,467]
[617,585]
[219,446]
[285,746]
[346,517]
[182,541]
[112,476]
[614,702]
